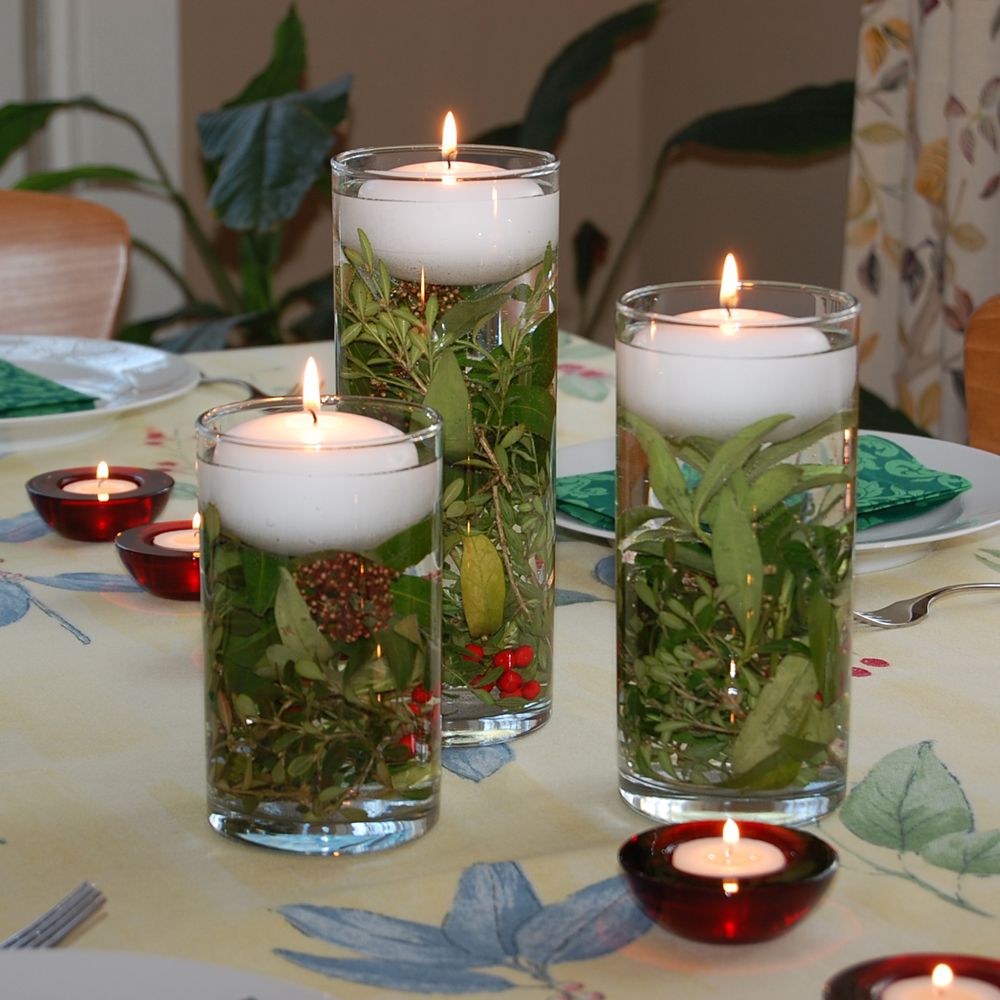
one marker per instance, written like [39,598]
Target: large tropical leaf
[283,73]
[58,180]
[576,68]
[20,120]
[270,152]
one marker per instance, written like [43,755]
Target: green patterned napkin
[24,394]
[892,485]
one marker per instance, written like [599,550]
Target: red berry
[523,656]
[473,653]
[420,695]
[410,742]
[531,690]
[510,681]
[505,659]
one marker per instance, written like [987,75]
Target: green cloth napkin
[25,394]
[892,485]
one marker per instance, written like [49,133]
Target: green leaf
[575,69]
[413,595]
[736,558]
[57,180]
[784,480]
[532,406]
[20,120]
[465,317]
[665,475]
[780,711]
[288,63]
[544,342]
[296,627]
[408,547]
[976,852]
[908,799]
[449,395]
[484,589]
[260,574]
[804,122]
[270,153]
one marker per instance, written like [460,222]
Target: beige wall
[413,60]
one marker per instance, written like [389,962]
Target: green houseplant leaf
[270,153]
[908,799]
[288,62]
[20,120]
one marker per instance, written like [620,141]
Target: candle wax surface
[289,485]
[182,540]
[921,988]
[712,857]
[93,487]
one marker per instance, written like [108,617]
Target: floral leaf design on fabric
[989,557]
[912,804]
[16,599]
[496,922]
[476,763]
[866,662]
[23,527]
[582,382]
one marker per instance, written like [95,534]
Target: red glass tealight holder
[174,573]
[98,517]
[910,976]
[730,909]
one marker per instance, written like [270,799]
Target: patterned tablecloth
[102,761]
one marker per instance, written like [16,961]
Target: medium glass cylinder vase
[737,426]
[321,606]
[445,295]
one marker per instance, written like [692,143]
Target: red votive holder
[730,908]
[910,976]
[98,517]
[174,573]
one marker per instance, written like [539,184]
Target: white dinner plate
[881,547]
[122,376]
[50,974]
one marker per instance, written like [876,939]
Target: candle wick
[313,414]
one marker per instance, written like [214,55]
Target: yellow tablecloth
[102,763]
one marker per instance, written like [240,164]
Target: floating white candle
[182,540]
[941,984]
[729,857]
[461,222]
[303,481]
[101,487]
[714,371]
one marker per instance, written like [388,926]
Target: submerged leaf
[484,589]
[449,395]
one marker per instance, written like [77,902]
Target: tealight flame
[942,976]
[423,287]
[730,833]
[310,389]
[196,522]
[102,471]
[449,138]
[730,286]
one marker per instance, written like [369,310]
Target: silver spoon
[914,609]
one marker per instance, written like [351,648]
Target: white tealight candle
[714,371]
[728,857]
[299,482]
[183,539]
[941,984]
[458,222]
[101,486]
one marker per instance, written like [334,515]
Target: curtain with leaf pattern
[923,228]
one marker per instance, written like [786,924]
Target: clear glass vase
[735,525]
[320,562]
[445,295]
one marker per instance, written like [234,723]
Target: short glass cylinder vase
[445,296]
[736,444]
[321,600]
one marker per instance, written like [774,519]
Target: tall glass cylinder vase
[445,295]
[321,593]
[735,479]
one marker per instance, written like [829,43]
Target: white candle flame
[730,833]
[942,976]
[196,522]
[449,138]
[730,285]
[102,471]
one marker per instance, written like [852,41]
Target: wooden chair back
[982,375]
[63,263]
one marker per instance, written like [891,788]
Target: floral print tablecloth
[101,771]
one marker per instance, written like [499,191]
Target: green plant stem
[217,272]
[148,250]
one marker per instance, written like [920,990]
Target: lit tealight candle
[301,481]
[942,984]
[183,539]
[459,222]
[714,371]
[728,857]
[102,487]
